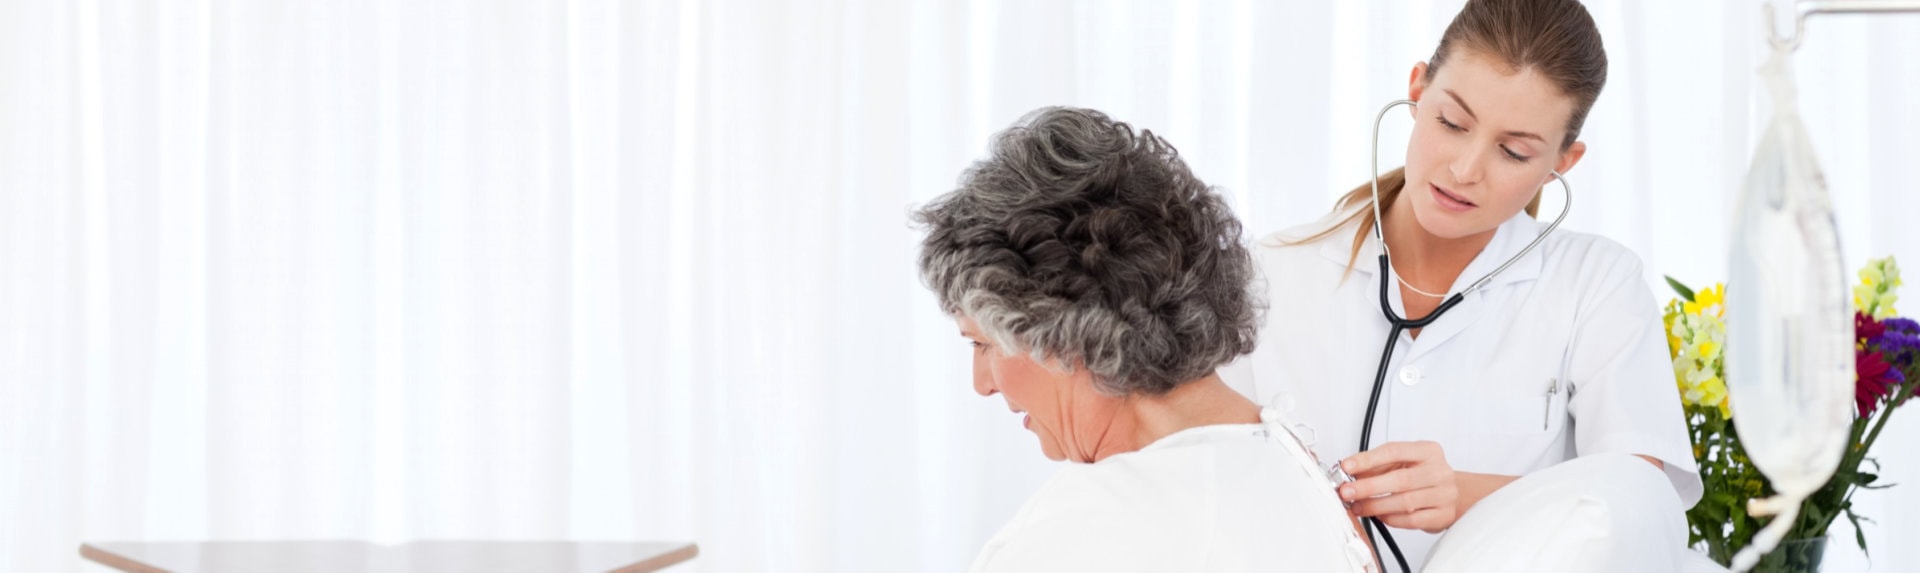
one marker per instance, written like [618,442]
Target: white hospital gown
[1237,497]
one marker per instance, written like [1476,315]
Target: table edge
[116,561]
[663,560]
[658,562]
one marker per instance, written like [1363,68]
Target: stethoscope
[1402,324]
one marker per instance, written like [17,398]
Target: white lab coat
[1575,315]
[1236,497]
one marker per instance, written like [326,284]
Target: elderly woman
[1101,284]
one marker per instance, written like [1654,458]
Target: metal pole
[1811,7]
[1805,9]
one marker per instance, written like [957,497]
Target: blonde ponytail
[1360,200]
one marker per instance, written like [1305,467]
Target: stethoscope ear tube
[1373,180]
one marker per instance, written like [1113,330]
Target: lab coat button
[1409,376]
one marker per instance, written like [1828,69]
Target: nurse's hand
[1416,487]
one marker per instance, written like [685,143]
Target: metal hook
[1789,43]
[1808,8]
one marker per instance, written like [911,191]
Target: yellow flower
[1710,301]
[1696,336]
[1875,296]
[1695,339]
[1708,350]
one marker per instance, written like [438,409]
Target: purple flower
[1897,338]
[1903,325]
[1899,346]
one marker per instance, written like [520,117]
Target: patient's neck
[1142,420]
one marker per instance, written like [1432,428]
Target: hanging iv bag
[1789,353]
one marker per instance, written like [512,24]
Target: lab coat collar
[1508,239]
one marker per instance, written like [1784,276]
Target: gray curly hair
[1081,241]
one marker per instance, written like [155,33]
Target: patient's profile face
[1061,408]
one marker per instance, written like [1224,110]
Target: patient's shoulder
[1217,498]
[1125,513]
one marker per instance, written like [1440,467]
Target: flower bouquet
[1885,351]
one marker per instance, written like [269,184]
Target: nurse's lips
[1449,200]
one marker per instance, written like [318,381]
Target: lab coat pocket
[1539,408]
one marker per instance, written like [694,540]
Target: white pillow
[1603,512]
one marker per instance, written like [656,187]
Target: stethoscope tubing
[1402,324]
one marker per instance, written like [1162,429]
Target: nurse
[1558,356]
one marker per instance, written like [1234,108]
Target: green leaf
[1859,536]
[1814,515]
[1685,293]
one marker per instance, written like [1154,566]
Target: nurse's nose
[1466,168]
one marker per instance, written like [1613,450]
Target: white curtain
[616,270]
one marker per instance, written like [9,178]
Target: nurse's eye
[1515,156]
[1450,125]
[978,346]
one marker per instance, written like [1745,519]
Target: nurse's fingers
[1432,520]
[1400,503]
[1391,454]
[1409,478]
